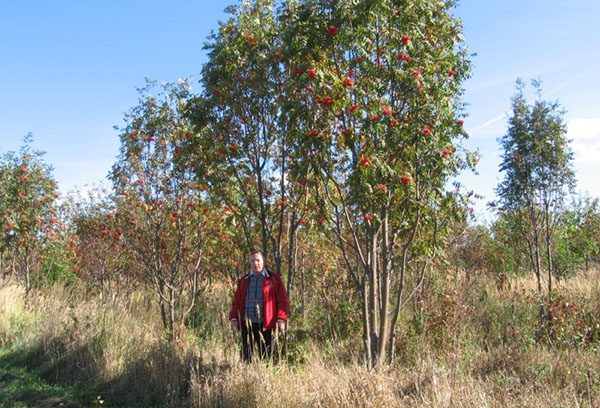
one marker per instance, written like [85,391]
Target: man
[260,304]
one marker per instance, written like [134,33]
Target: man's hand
[234,326]
[281,326]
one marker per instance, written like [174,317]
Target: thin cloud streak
[568,82]
[488,123]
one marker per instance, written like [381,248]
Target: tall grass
[465,344]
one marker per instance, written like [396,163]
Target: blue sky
[70,68]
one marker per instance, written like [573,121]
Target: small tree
[579,234]
[27,197]
[470,249]
[507,252]
[160,215]
[94,236]
[538,173]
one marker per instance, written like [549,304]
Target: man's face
[257,263]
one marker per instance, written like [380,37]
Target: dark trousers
[255,341]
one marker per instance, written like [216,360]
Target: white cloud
[584,134]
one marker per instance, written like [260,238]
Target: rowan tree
[92,240]
[160,214]
[377,123]
[240,141]
[343,117]
[27,199]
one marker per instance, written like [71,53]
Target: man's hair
[257,251]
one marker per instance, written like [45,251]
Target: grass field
[472,346]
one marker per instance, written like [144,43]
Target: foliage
[241,144]
[27,199]
[580,239]
[373,110]
[514,253]
[97,258]
[58,261]
[327,134]
[538,173]
[341,119]
[160,216]
[572,322]
[472,249]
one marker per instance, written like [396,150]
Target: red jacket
[275,297]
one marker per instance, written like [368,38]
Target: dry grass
[115,345]
[432,382]
[11,311]
[585,283]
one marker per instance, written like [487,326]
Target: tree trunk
[373,298]
[302,292]
[366,326]
[292,257]
[161,298]
[172,312]
[549,257]
[27,279]
[537,261]
[385,293]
